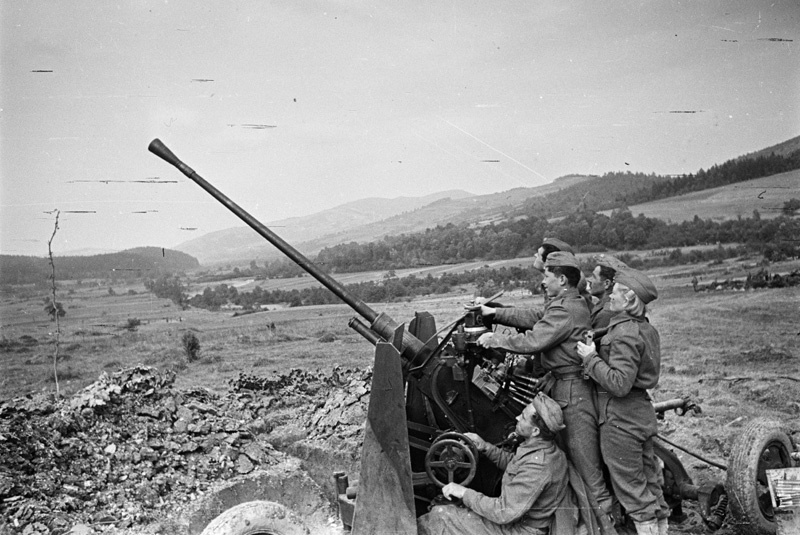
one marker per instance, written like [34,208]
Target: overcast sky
[292,107]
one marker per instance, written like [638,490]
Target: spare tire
[257,518]
[762,445]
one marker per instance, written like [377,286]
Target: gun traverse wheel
[762,445]
[453,455]
[257,518]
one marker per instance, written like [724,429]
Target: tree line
[587,231]
[131,264]
[486,280]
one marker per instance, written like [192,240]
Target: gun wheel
[762,445]
[451,460]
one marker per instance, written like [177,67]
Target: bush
[191,346]
[133,323]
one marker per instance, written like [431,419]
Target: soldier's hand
[477,440]
[453,490]
[585,351]
[485,339]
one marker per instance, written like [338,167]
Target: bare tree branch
[55,305]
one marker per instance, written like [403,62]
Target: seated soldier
[535,485]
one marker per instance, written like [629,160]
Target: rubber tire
[257,518]
[744,484]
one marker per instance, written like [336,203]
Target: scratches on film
[494,149]
[253,126]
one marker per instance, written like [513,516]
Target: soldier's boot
[663,526]
[646,528]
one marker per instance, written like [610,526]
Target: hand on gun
[480,444]
[453,490]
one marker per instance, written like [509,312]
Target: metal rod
[693,454]
[363,329]
[159,149]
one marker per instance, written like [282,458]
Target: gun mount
[451,384]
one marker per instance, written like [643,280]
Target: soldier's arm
[522,318]
[618,375]
[551,329]
[519,492]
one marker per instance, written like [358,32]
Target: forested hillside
[129,264]
[618,190]
[588,231]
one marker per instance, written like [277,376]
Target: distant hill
[369,220]
[128,264]
[365,220]
[243,243]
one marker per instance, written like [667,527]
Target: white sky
[367,99]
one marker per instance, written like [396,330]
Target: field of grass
[702,332]
[735,353]
[766,195]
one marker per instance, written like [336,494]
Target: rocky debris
[130,448]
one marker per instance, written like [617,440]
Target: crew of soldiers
[600,390]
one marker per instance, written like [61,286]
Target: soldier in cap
[549,245]
[602,282]
[627,363]
[534,487]
[524,318]
[556,331]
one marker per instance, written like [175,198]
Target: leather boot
[663,526]
[646,528]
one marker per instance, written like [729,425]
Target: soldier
[602,283]
[555,333]
[535,485]
[549,245]
[628,363]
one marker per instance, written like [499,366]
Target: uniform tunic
[601,315]
[535,482]
[629,362]
[556,331]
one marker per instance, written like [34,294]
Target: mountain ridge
[371,219]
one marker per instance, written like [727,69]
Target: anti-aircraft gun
[443,381]
[442,384]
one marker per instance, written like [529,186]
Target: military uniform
[556,330]
[628,363]
[535,483]
[601,316]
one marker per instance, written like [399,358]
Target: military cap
[637,281]
[549,411]
[561,259]
[558,244]
[606,260]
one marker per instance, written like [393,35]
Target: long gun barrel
[379,323]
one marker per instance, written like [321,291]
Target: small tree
[54,309]
[791,206]
[191,346]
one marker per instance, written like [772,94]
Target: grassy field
[705,334]
[766,195]
[735,353]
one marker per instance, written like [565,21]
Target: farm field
[766,195]
[735,353]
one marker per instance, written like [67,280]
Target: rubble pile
[130,448]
